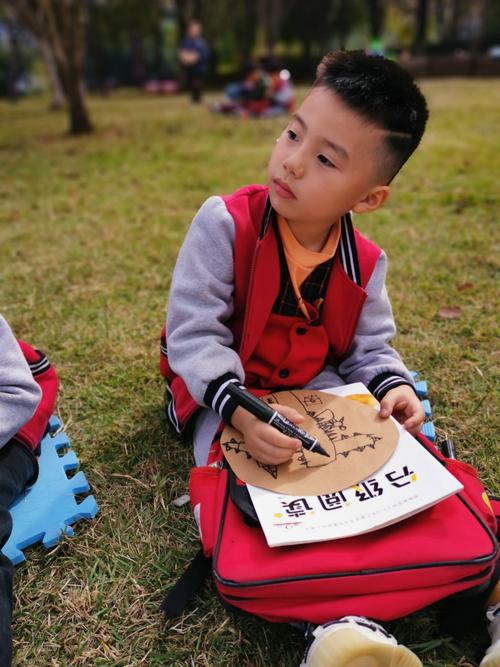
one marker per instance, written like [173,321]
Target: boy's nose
[293,164]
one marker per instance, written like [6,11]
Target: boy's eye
[324,160]
[291,134]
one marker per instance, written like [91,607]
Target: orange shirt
[301,262]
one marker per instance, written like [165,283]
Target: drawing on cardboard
[358,441]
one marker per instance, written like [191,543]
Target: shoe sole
[350,648]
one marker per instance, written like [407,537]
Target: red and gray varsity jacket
[222,313]
[45,376]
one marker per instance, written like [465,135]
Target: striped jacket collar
[346,251]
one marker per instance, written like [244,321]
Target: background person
[193,55]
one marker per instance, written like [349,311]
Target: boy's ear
[373,199]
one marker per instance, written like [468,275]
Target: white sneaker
[354,641]
[492,656]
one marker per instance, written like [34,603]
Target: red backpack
[385,574]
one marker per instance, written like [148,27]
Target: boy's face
[325,164]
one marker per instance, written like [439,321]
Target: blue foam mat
[421,387]
[48,509]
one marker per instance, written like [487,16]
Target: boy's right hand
[263,442]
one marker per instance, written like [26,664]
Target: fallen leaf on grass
[450,313]
[464,286]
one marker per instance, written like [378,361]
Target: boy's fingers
[272,454]
[410,423]
[289,413]
[413,429]
[282,441]
[387,406]
[414,423]
[274,438]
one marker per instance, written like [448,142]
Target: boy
[28,387]
[274,288]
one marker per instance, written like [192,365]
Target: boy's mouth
[282,189]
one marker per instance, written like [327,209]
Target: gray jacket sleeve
[200,304]
[371,359]
[19,393]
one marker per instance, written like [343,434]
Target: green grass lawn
[89,233]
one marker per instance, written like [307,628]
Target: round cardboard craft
[358,441]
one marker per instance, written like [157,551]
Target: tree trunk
[307,48]
[275,18]
[62,26]
[456,13]
[57,97]
[343,23]
[72,20]
[439,17]
[185,12]
[377,16]
[420,40]
[245,31]
[138,62]
[481,14]
[14,71]
[79,119]
[270,14]
[262,15]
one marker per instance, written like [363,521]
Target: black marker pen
[265,413]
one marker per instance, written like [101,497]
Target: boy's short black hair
[383,93]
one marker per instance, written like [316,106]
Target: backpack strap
[179,597]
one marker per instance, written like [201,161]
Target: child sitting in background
[245,97]
[279,94]
[264,91]
[28,388]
